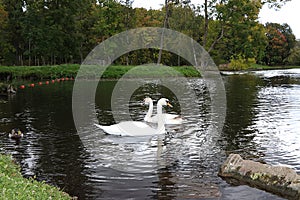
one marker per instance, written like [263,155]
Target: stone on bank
[279,180]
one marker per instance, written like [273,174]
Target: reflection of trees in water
[166,185]
[241,98]
[176,182]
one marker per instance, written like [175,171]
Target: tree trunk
[205,24]
[205,36]
[216,40]
[162,36]
[29,49]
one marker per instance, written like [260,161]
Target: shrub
[240,62]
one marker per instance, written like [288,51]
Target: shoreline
[35,73]
[257,67]
[16,75]
[14,186]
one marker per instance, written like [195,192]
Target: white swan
[136,128]
[168,118]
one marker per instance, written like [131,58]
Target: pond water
[263,117]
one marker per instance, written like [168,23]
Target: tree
[280,42]
[54,32]
[277,4]
[243,35]
[108,19]
[185,20]
[14,9]
[294,57]
[211,11]
[166,25]
[147,18]
[5,46]
[168,5]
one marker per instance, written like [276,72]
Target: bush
[241,63]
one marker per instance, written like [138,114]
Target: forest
[53,32]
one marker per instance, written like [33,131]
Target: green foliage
[184,19]
[38,72]
[14,186]
[38,32]
[243,34]
[4,43]
[241,63]
[294,57]
[60,71]
[187,71]
[281,41]
[118,71]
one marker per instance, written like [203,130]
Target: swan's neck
[161,120]
[150,111]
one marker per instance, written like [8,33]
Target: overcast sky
[289,13]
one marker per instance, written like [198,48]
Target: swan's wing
[169,119]
[174,121]
[112,129]
[140,124]
[171,116]
[165,116]
[134,128]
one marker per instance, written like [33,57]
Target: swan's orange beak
[168,104]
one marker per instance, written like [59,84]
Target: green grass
[265,67]
[38,72]
[119,71]
[14,186]
[261,67]
[113,72]
[59,71]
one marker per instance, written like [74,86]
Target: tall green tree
[5,46]
[210,10]
[14,8]
[35,32]
[294,57]
[243,35]
[53,31]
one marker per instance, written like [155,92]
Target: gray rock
[279,180]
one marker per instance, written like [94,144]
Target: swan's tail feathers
[178,117]
[112,129]
[99,126]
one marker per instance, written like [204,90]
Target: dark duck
[15,134]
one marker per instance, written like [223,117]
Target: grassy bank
[59,71]
[265,67]
[258,67]
[14,186]
[37,72]
[19,73]
[119,71]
